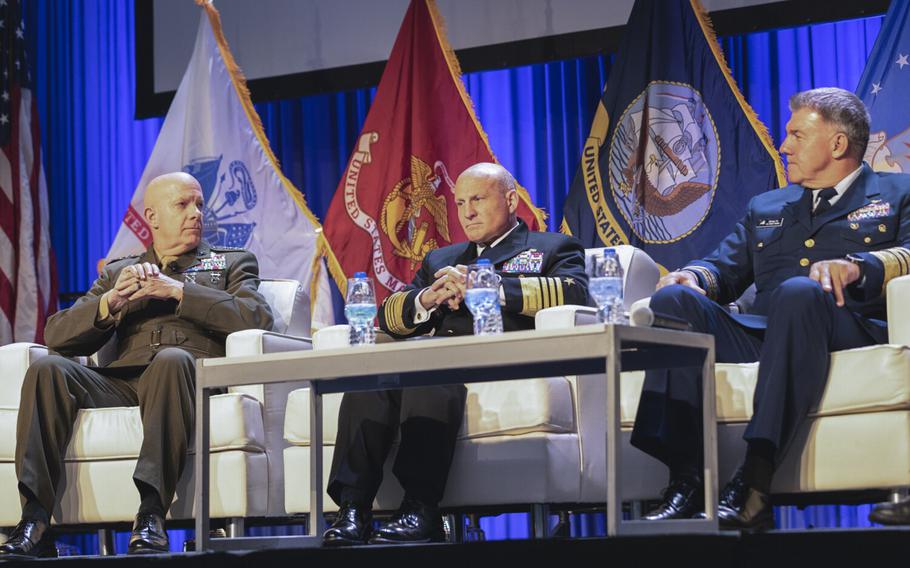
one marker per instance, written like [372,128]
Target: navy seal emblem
[664,162]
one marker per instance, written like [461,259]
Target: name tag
[770,222]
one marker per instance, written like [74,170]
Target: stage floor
[803,548]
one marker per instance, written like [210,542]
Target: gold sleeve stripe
[708,277]
[540,293]
[896,262]
[393,309]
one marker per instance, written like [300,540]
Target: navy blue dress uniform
[157,343]
[793,324]
[538,270]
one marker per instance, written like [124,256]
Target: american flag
[28,279]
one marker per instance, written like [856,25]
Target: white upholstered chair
[857,439]
[522,442]
[98,485]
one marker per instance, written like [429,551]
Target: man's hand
[834,276]
[449,288]
[684,277]
[128,283]
[160,287]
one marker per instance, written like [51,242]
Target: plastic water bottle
[360,309]
[605,287]
[482,298]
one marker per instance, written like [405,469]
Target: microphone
[646,317]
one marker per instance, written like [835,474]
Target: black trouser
[428,418]
[54,390]
[804,327]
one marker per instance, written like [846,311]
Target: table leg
[202,495]
[614,434]
[317,520]
[710,432]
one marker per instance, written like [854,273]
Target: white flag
[213,132]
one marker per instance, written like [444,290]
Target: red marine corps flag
[395,202]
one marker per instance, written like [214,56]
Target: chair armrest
[898,298]
[14,361]
[565,316]
[258,342]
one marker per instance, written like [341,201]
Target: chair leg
[540,520]
[473,532]
[106,542]
[563,528]
[453,523]
[897,494]
[235,527]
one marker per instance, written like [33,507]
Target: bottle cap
[609,251]
[484,262]
[360,275]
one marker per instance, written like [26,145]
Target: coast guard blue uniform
[794,324]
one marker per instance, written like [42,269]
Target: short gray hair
[842,109]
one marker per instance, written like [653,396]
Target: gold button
[882,228]
[854,226]
[867,240]
[810,243]
[760,245]
[804,262]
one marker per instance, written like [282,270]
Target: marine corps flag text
[675,152]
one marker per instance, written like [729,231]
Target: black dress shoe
[414,522]
[148,536]
[741,507]
[351,527]
[891,513]
[30,539]
[682,499]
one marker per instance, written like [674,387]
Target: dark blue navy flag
[675,152]
[884,87]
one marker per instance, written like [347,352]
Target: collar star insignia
[569,281]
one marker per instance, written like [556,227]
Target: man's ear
[151,217]
[512,200]
[839,145]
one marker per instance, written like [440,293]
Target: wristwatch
[860,263]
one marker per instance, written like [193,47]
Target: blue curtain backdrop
[536,116]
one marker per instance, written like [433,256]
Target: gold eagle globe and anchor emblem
[402,207]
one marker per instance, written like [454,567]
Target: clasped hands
[142,280]
[832,275]
[448,288]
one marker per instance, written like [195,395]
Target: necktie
[824,201]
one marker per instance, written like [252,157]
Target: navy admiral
[166,307]
[538,270]
[819,252]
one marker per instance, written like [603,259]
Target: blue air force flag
[675,152]
[213,132]
[883,87]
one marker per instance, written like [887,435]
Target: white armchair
[862,418]
[522,442]
[97,485]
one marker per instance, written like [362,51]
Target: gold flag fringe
[455,70]
[243,93]
[707,28]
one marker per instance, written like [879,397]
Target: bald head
[493,173]
[173,210]
[487,202]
